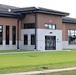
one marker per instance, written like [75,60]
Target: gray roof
[68,20]
[10,14]
[18,12]
[40,10]
[5,13]
[6,7]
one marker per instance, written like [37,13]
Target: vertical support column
[4,39]
[10,36]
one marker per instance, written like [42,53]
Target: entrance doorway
[50,42]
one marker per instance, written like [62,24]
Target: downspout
[18,34]
[22,16]
[35,30]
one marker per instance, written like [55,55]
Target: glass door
[50,42]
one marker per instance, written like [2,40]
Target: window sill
[71,44]
[14,45]
[32,45]
[50,29]
[25,45]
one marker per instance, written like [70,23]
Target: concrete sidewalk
[43,71]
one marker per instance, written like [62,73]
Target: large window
[1,34]
[25,39]
[29,26]
[14,35]
[72,36]
[50,26]
[32,39]
[7,35]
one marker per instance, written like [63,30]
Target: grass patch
[36,61]
[60,73]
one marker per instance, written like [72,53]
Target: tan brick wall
[63,31]
[42,19]
[29,18]
[51,19]
[20,30]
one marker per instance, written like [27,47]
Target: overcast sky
[61,5]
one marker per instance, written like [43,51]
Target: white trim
[8,47]
[65,45]
[41,33]
[40,40]
[3,42]
[10,43]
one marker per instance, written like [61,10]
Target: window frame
[50,25]
[69,32]
[7,35]
[13,41]
[31,39]
[29,25]
[25,43]
[2,36]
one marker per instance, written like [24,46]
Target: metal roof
[5,13]
[6,7]
[68,20]
[10,14]
[40,10]
[18,12]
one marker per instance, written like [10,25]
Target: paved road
[43,71]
